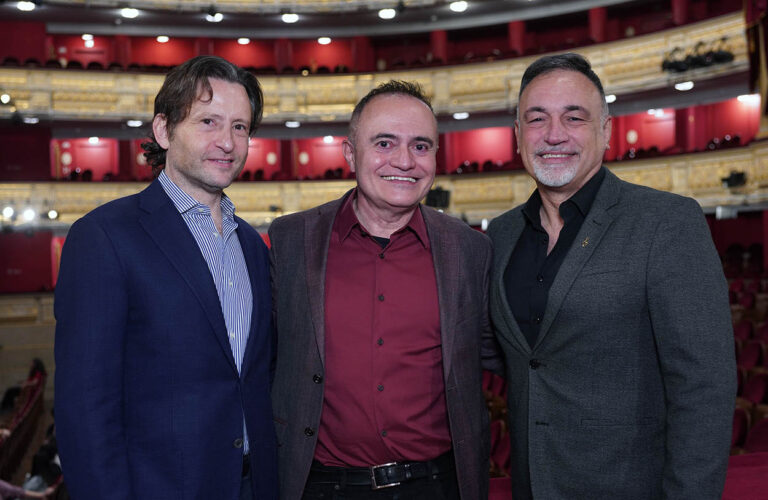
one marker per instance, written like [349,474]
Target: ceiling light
[162,39]
[292,124]
[324,40]
[290,17]
[134,123]
[243,41]
[88,44]
[683,86]
[53,214]
[28,214]
[129,12]
[462,115]
[214,17]
[25,6]
[8,212]
[31,120]
[610,98]
[86,36]
[459,6]
[328,139]
[749,98]
[387,13]
[93,140]
[5,98]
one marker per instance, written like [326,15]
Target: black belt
[246,465]
[381,476]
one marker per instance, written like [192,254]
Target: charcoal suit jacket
[629,389]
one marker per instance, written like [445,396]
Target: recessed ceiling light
[5,98]
[387,13]
[243,41]
[8,212]
[749,98]
[134,123]
[292,124]
[324,40]
[162,39]
[610,98]
[328,139]
[25,6]
[89,44]
[683,86]
[129,12]
[459,6]
[28,214]
[93,140]
[290,17]
[31,120]
[216,17]
[461,115]
[53,214]
[86,36]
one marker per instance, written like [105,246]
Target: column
[438,45]
[516,37]
[597,20]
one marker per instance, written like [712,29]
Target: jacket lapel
[165,226]
[504,245]
[591,233]
[317,238]
[448,279]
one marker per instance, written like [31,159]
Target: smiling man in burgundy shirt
[381,311]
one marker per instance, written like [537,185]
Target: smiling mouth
[398,178]
[221,161]
[548,156]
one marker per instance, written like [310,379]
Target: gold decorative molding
[26,309]
[625,66]
[474,197]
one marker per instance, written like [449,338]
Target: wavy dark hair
[187,82]
[397,87]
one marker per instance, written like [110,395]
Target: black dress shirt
[530,271]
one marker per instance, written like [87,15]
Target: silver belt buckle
[375,486]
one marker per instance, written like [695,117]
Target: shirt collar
[582,199]
[184,202]
[346,221]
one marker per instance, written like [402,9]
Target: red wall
[312,54]
[319,157]
[256,54]
[25,262]
[148,51]
[79,155]
[263,154]
[72,48]
[23,40]
[24,154]
[746,229]
[493,143]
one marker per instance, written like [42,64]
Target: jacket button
[238,443]
[309,431]
[534,363]
[317,378]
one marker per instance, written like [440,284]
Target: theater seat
[751,355]
[757,439]
[740,427]
[755,388]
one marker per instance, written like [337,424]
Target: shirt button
[238,443]
[534,363]
[317,378]
[537,319]
[231,284]
[539,278]
[309,431]
[381,255]
[384,433]
[231,335]
[381,298]
[380,341]
[380,387]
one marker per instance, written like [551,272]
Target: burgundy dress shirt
[384,389]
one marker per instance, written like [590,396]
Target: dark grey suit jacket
[629,390]
[462,259]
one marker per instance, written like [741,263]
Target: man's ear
[348,150]
[160,130]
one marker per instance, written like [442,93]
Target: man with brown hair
[163,335]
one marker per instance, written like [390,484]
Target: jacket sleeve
[691,322]
[91,308]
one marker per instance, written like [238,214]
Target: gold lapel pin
[585,242]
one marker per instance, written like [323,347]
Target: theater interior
[683,79]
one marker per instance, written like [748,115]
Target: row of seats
[21,423]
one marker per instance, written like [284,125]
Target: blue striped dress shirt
[224,256]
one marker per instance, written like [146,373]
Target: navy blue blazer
[149,403]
